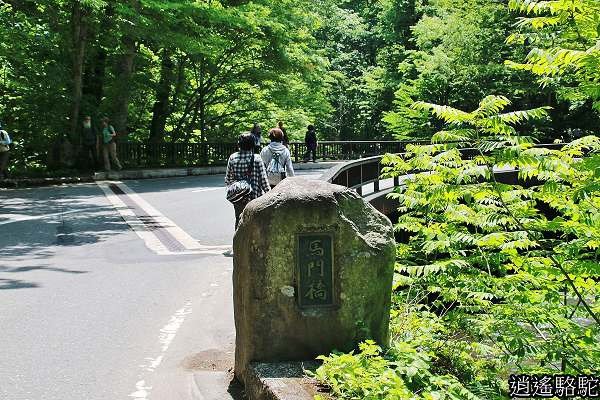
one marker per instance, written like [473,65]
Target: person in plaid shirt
[239,165]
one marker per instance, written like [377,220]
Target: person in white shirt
[277,158]
[4,152]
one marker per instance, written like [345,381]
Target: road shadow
[40,268]
[35,222]
[6,284]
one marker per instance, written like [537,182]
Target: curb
[194,171]
[39,182]
[141,174]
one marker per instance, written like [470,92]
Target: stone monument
[313,270]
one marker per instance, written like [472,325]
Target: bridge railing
[141,155]
[364,176]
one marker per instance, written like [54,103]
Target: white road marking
[219,247]
[150,239]
[165,338]
[191,246]
[182,237]
[207,190]
[12,218]
[141,391]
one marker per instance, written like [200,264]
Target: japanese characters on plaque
[315,270]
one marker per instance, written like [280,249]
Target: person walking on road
[277,158]
[90,142]
[245,166]
[4,152]
[109,145]
[311,143]
[257,135]
[286,139]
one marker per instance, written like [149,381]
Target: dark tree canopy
[191,71]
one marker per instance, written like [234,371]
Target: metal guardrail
[360,173]
[140,155]
[357,174]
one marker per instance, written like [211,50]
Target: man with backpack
[109,145]
[4,152]
[277,158]
[246,178]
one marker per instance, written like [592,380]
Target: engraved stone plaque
[315,269]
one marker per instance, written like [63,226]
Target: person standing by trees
[311,143]
[109,146]
[4,152]
[257,135]
[89,142]
[277,158]
[286,140]
[246,166]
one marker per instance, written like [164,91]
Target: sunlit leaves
[487,249]
[566,34]
[486,121]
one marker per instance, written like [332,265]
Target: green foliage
[565,53]
[458,52]
[457,59]
[516,266]
[404,373]
[198,70]
[498,267]
[485,123]
[492,278]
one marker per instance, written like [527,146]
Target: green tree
[163,71]
[563,35]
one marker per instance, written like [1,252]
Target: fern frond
[539,22]
[491,105]
[539,7]
[456,135]
[577,147]
[446,113]
[440,266]
[516,117]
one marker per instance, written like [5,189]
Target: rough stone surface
[282,381]
[269,324]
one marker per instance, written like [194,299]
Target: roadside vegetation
[187,71]
[495,277]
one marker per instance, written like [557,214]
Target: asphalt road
[103,295]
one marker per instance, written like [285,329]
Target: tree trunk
[203,127]
[79,32]
[161,109]
[124,72]
[94,77]
[202,104]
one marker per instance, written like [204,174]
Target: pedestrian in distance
[286,140]
[311,144]
[257,135]
[90,142]
[246,177]
[5,142]
[109,145]
[277,158]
